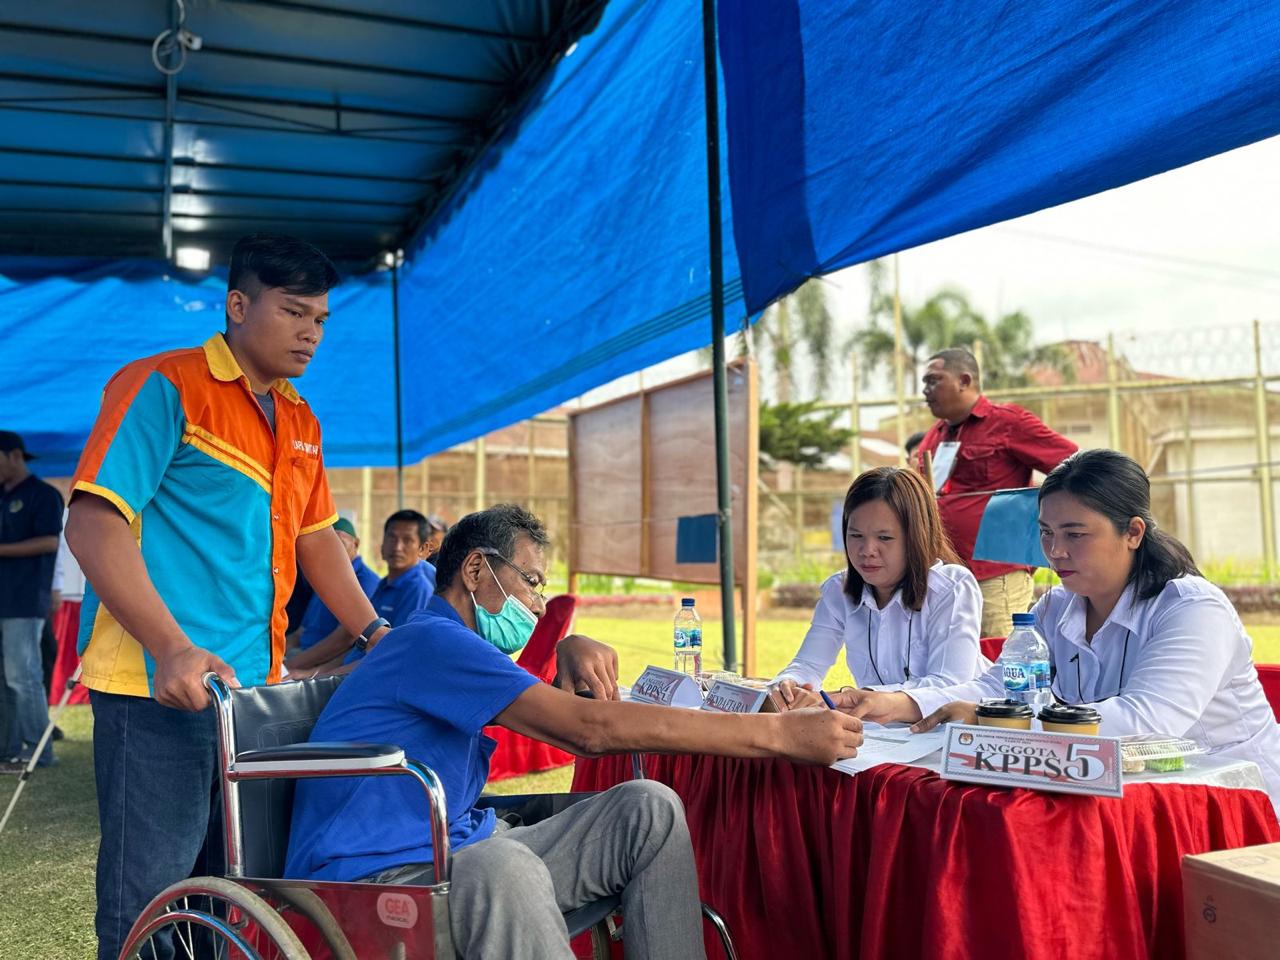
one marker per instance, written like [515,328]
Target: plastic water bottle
[688,639]
[1025,659]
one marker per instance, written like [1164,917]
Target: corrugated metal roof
[343,124]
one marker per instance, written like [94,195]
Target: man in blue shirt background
[317,622]
[432,685]
[408,585]
[410,579]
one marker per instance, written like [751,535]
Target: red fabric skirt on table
[66,630]
[896,862]
[516,755]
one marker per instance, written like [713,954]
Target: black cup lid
[1004,708]
[1069,713]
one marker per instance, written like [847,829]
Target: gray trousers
[510,891]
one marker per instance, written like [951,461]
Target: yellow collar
[223,366]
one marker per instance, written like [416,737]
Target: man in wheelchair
[433,684]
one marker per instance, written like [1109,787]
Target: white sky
[1175,266]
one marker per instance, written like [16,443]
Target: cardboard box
[1231,904]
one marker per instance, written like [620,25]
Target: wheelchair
[251,914]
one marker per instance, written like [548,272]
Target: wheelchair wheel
[209,918]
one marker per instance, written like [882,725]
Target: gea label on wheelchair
[397,910]
[1062,762]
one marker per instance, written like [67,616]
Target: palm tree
[800,321]
[948,320]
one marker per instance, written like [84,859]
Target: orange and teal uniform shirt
[216,501]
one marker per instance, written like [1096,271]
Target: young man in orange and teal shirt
[201,487]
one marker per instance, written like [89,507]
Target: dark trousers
[156,772]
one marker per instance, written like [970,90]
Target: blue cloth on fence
[1010,530]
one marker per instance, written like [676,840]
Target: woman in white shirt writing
[1134,630]
[904,611]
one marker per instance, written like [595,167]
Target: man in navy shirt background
[432,685]
[30,524]
[317,622]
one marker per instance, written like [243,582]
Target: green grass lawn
[47,851]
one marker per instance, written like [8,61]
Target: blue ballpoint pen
[826,699]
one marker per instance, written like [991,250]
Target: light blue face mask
[511,627]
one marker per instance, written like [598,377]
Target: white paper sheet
[890,748]
[899,732]
[944,459]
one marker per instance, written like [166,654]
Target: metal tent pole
[170,109]
[395,332]
[724,499]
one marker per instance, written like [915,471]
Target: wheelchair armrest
[312,758]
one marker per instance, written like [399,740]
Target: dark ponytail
[1116,487]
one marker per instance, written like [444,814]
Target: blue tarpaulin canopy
[573,253]
[62,336]
[581,253]
[561,240]
[860,129]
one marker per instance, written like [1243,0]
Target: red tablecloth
[898,863]
[516,755]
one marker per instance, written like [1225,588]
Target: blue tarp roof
[64,334]
[860,129]
[574,253]
[581,254]
[575,249]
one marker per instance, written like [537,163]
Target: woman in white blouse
[905,611]
[1134,630]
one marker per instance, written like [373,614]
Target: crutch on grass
[35,754]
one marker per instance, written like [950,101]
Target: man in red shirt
[978,447]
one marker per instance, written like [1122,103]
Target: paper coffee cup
[1070,718]
[1010,714]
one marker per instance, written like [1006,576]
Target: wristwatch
[362,641]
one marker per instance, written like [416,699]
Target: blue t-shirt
[399,599]
[430,687]
[318,622]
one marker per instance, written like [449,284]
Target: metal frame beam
[181,190]
[150,92]
[242,53]
[190,163]
[370,135]
[179,215]
[430,25]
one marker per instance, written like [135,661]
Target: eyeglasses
[536,584]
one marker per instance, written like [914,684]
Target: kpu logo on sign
[667,687]
[1062,762]
[655,687]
